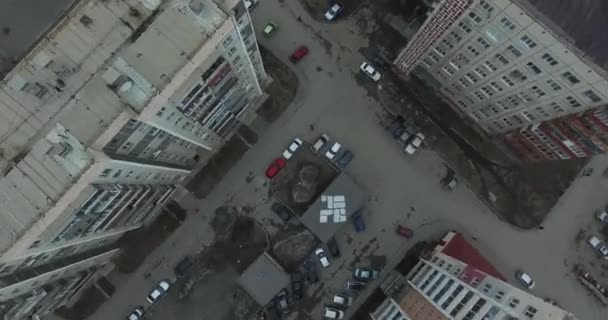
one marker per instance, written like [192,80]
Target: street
[334,98]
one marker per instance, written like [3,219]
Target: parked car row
[153,297]
[406,135]
[336,154]
[601,247]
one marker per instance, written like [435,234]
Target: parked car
[320,253]
[300,53]
[332,245]
[275,166]
[281,211]
[354,285]
[323,140]
[333,12]
[369,71]
[333,151]
[396,124]
[365,274]
[358,221]
[345,160]
[414,143]
[250,4]
[137,314]
[270,29]
[159,291]
[599,246]
[293,147]
[182,267]
[281,303]
[602,216]
[297,286]
[341,301]
[404,231]
[525,279]
[332,313]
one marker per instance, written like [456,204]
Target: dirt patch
[247,134]
[292,246]
[281,91]
[316,8]
[217,167]
[139,243]
[90,300]
[282,185]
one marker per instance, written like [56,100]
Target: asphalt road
[401,189]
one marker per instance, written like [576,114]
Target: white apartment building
[507,64]
[456,282]
[100,120]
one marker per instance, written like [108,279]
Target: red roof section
[459,248]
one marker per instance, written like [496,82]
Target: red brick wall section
[445,14]
[418,307]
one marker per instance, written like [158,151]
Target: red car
[276,166]
[404,231]
[300,53]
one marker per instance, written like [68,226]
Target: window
[494,85]
[486,287]
[592,96]
[514,51]
[528,42]
[475,17]
[487,91]
[447,43]
[464,27]
[530,312]
[507,23]
[513,303]
[482,74]
[518,75]
[472,50]
[439,51]
[543,113]
[117,174]
[483,42]
[490,66]
[555,106]
[537,91]
[469,76]
[498,296]
[570,77]
[573,102]
[486,6]
[105,173]
[455,36]
[507,81]
[501,58]
[448,70]
[533,67]
[528,116]
[554,85]
[549,59]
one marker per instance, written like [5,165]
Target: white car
[525,279]
[599,246]
[293,147]
[333,12]
[331,313]
[137,314]
[159,291]
[333,151]
[602,216]
[414,144]
[320,253]
[341,301]
[370,71]
[323,139]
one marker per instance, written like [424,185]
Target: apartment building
[456,282]
[100,119]
[512,64]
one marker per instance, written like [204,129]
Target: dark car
[358,221]
[182,267]
[396,127]
[297,286]
[281,211]
[332,245]
[365,274]
[354,285]
[281,303]
[300,53]
[344,160]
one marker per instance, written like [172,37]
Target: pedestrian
[299,18]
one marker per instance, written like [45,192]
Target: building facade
[456,282]
[100,120]
[508,64]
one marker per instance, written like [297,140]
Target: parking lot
[400,189]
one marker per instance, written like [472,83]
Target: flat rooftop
[22,23]
[263,279]
[334,207]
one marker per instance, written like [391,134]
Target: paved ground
[402,189]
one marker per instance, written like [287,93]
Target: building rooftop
[22,23]
[333,208]
[459,248]
[583,23]
[263,279]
